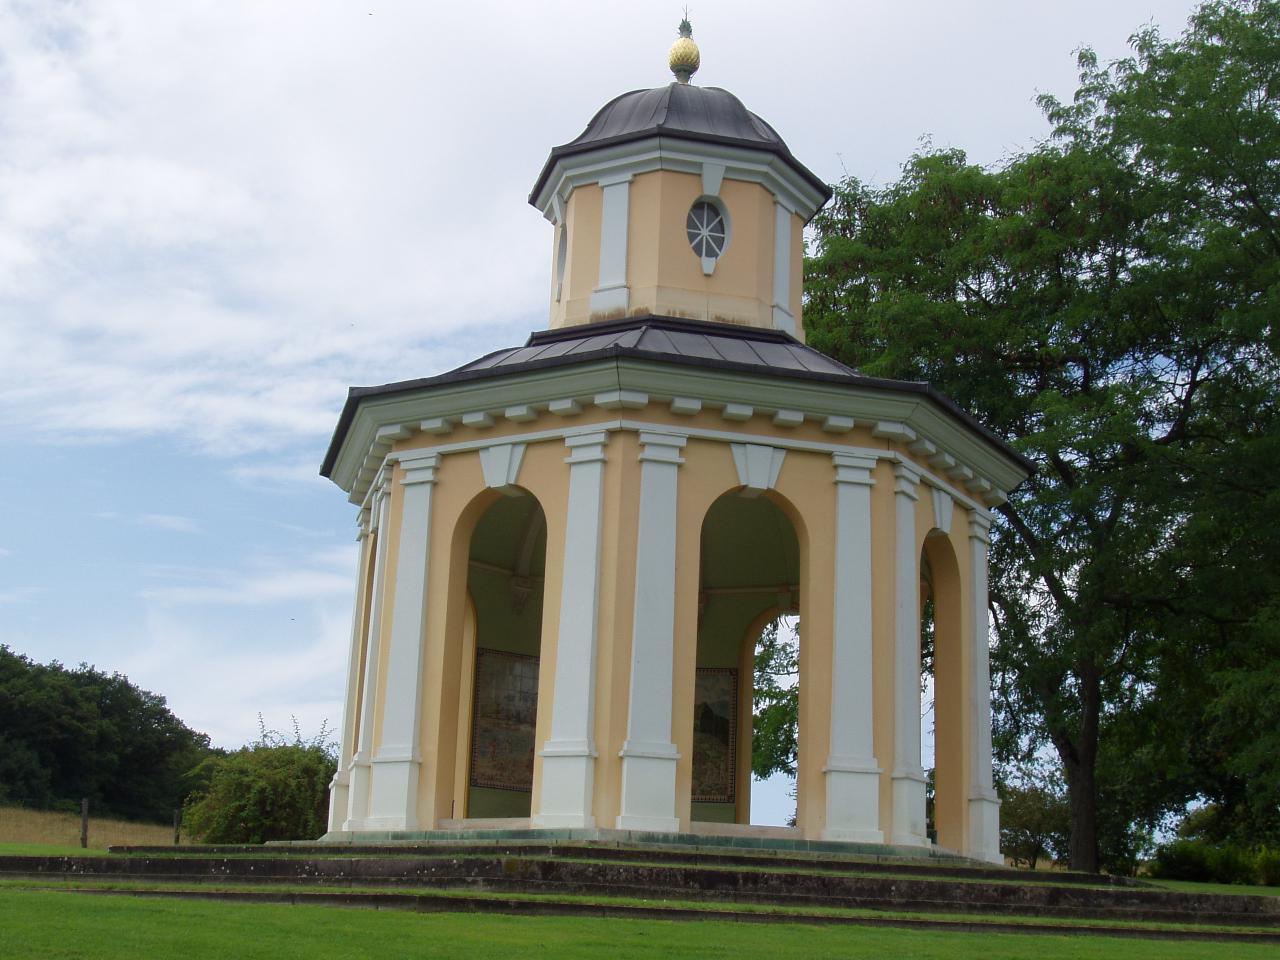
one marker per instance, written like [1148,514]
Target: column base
[984,828]
[909,808]
[357,793]
[649,787]
[393,795]
[853,800]
[568,775]
[339,799]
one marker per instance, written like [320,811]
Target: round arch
[941,600]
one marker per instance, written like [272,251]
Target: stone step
[695,856]
[676,882]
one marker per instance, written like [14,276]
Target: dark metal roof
[697,343]
[681,110]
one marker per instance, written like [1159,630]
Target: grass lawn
[1193,886]
[48,850]
[67,926]
[60,829]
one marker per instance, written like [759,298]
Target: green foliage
[775,710]
[1034,823]
[66,734]
[1202,861]
[276,789]
[1106,300]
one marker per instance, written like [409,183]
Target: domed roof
[680,110]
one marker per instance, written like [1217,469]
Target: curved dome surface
[681,110]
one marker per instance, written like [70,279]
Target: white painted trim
[943,508]
[568,757]
[394,784]
[788,418]
[838,407]
[684,156]
[738,411]
[564,407]
[611,288]
[685,406]
[712,178]
[908,778]
[852,771]
[521,413]
[984,806]
[782,316]
[477,418]
[358,792]
[500,464]
[649,755]
[758,465]
[339,798]
[621,400]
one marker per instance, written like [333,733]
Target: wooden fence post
[177,826]
[84,823]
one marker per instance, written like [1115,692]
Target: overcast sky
[216,216]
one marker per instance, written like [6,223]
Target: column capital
[419,466]
[586,447]
[906,479]
[980,526]
[854,468]
[662,447]
[363,523]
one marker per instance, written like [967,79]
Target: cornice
[959,454]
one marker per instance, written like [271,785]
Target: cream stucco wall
[804,491]
[663,274]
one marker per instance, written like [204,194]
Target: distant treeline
[71,733]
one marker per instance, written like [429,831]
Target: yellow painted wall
[805,493]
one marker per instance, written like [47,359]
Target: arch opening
[505,572]
[942,743]
[748,630]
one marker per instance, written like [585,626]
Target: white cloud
[169,522]
[5,552]
[15,595]
[311,576]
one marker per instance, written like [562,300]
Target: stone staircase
[673,880]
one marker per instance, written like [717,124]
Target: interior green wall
[747,542]
[499,539]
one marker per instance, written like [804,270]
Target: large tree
[68,734]
[1106,300]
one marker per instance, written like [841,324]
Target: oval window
[707,230]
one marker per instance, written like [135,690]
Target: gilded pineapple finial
[683,57]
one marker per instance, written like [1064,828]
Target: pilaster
[339,794]
[908,777]
[984,805]
[610,293]
[568,757]
[649,756]
[394,783]
[358,769]
[783,319]
[852,773]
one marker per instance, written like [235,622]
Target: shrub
[263,792]
[1267,867]
[1182,860]
[1230,864]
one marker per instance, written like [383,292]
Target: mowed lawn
[52,924]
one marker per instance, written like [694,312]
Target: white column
[339,796]
[568,757]
[783,318]
[394,788]
[611,292]
[908,777]
[648,755]
[852,773]
[984,805]
[358,769]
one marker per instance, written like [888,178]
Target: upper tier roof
[683,111]
[691,343]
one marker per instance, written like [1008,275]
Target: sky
[216,216]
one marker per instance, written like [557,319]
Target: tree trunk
[1081,769]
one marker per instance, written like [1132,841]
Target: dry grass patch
[48,827]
